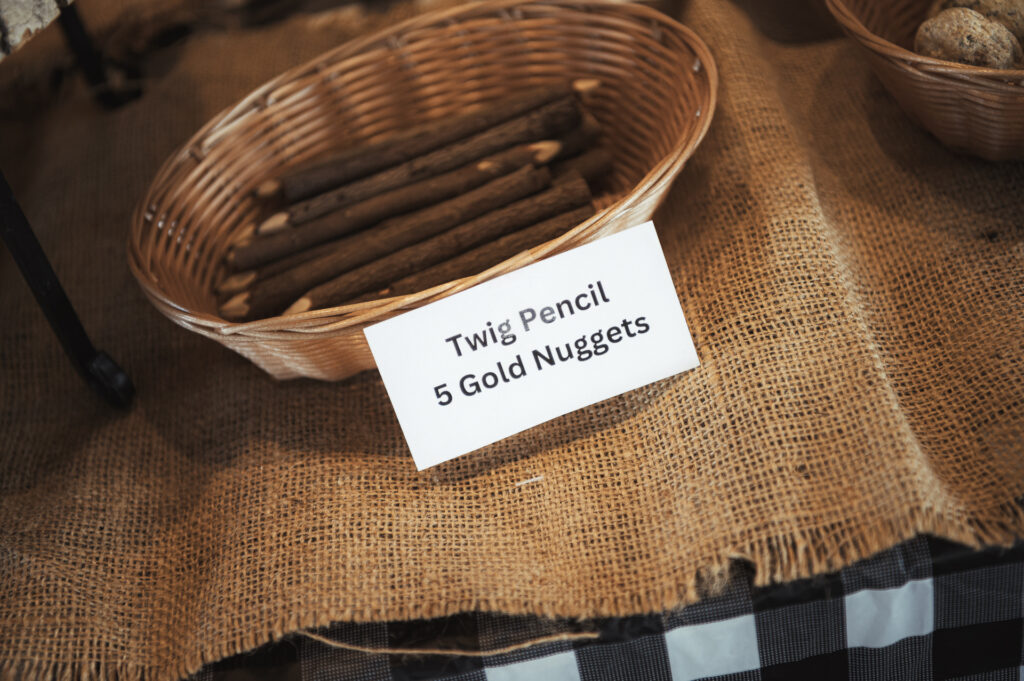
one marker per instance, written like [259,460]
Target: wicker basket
[971,109]
[656,101]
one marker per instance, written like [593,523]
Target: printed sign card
[532,345]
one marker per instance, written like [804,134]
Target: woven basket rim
[329,321]
[855,28]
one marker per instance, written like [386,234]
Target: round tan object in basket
[655,103]
[970,109]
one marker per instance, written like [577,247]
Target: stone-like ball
[963,35]
[1010,13]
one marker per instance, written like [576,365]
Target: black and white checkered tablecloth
[926,609]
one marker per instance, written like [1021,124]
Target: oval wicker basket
[655,105]
[970,109]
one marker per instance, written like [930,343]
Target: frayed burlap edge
[795,556]
[49,670]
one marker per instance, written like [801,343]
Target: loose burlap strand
[490,652]
[852,287]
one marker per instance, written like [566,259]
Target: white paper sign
[536,343]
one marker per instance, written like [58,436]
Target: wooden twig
[243,281]
[350,164]
[592,165]
[365,159]
[244,236]
[395,202]
[580,138]
[239,281]
[273,294]
[275,223]
[483,257]
[586,87]
[571,193]
[547,122]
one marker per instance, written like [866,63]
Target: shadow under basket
[970,109]
[655,103]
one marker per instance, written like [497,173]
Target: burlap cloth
[854,290]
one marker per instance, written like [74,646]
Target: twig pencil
[592,165]
[244,236]
[410,197]
[243,281]
[482,257]
[365,159]
[547,122]
[580,138]
[571,193]
[239,281]
[271,295]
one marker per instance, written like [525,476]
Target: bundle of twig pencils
[436,202]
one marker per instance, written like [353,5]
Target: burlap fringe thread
[797,556]
[552,638]
[49,670]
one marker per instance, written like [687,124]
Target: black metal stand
[98,369]
[97,70]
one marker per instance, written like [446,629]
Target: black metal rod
[94,65]
[101,372]
[81,44]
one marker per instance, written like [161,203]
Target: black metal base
[98,369]
[110,381]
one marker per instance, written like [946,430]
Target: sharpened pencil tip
[244,236]
[301,305]
[274,223]
[236,283]
[268,189]
[545,151]
[237,307]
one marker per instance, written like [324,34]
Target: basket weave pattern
[655,105]
[970,109]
